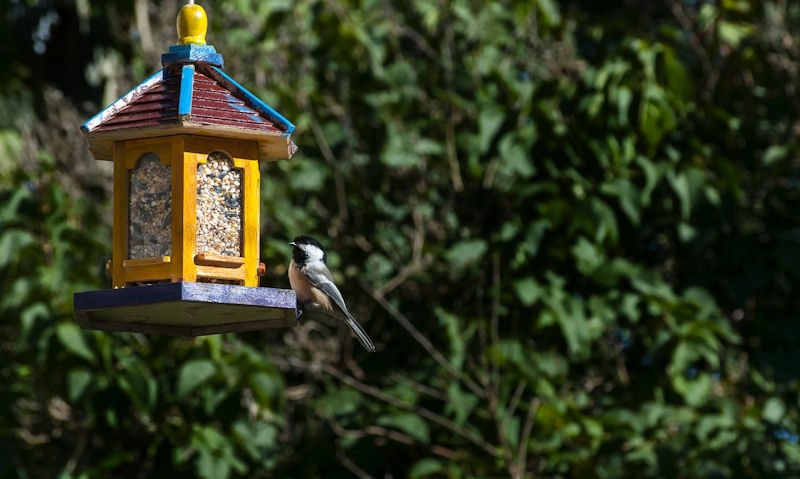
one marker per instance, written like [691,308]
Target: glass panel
[219,206]
[149,209]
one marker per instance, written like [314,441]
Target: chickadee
[313,284]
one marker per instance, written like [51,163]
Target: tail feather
[362,335]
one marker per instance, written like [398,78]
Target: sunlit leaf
[192,374]
[549,11]
[489,122]
[408,423]
[12,242]
[338,402]
[461,404]
[587,256]
[528,291]
[774,410]
[426,467]
[78,380]
[465,253]
[696,391]
[72,339]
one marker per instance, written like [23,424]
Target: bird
[313,285]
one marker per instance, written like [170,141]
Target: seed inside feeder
[219,207]
[149,209]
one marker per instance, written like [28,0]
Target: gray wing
[322,279]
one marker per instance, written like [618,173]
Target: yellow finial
[192,24]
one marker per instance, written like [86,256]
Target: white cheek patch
[313,253]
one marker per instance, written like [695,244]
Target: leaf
[77,381]
[511,428]
[791,448]
[29,316]
[652,175]
[568,311]
[534,236]
[684,355]
[256,437]
[216,454]
[9,210]
[379,267]
[194,373]
[425,467]
[733,32]
[455,334]
[656,117]
[399,151]
[428,147]
[339,402]
[465,253]
[140,385]
[266,387]
[515,160]
[309,176]
[773,411]
[739,6]
[629,307]
[774,153]
[688,186]
[679,82]
[686,232]
[72,339]
[461,403]
[528,291]
[549,12]
[571,317]
[604,220]
[408,423]
[624,99]
[489,121]
[429,12]
[697,391]
[11,243]
[587,256]
[549,364]
[628,197]
[399,74]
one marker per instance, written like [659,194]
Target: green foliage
[568,228]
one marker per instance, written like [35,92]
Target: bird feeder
[186,145]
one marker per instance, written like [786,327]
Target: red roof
[190,95]
[211,104]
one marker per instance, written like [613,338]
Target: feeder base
[186,309]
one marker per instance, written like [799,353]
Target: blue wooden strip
[257,103]
[130,296]
[185,291]
[192,54]
[234,294]
[186,91]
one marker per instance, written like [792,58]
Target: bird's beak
[292,243]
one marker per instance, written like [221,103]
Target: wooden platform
[186,309]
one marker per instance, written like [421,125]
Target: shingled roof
[190,95]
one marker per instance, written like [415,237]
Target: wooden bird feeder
[186,145]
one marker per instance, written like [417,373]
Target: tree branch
[423,341]
[421,411]
[527,428]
